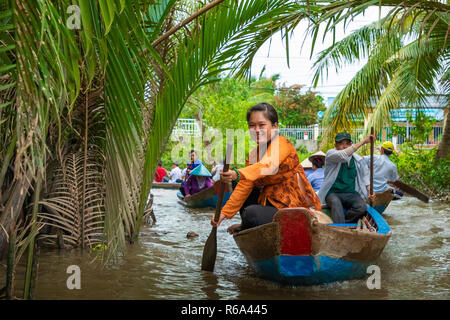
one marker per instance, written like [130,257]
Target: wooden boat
[205,198]
[166,185]
[296,249]
[382,200]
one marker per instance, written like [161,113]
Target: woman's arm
[237,199]
[337,156]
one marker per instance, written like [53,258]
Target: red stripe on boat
[296,239]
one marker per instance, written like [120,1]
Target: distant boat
[205,198]
[296,249]
[166,185]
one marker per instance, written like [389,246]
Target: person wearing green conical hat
[199,179]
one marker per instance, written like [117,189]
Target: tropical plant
[89,93]
[419,169]
[423,126]
[407,54]
[296,108]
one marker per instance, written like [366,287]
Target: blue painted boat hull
[296,249]
[309,270]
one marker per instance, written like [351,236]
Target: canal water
[165,264]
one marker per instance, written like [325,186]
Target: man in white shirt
[346,180]
[384,169]
[175,174]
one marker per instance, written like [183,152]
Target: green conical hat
[200,171]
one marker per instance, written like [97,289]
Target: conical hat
[317,154]
[306,164]
[200,170]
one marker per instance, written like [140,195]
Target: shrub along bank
[420,169]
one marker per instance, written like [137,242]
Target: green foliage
[420,169]
[423,128]
[223,104]
[398,130]
[295,108]
[423,124]
[407,55]
[220,105]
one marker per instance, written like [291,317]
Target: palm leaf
[65,213]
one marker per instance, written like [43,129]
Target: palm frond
[394,74]
[201,57]
[64,210]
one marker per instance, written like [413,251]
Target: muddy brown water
[165,264]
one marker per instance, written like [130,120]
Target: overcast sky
[273,56]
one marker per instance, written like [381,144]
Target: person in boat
[195,162]
[183,172]
[346,180]
[317,176]
[272,179]
[199,179]
[307,167]
[189,167]
[384,170]
[161,174]
[175,173]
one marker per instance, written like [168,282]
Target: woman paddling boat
[272,179]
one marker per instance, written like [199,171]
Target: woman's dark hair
[318,162]
[269,112]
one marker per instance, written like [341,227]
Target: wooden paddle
[210,249]
[410,190]
[372,145]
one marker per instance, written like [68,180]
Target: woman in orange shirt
[273,168]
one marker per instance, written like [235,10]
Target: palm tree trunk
[13,207]
[30,275]
[10,263]
[444,145]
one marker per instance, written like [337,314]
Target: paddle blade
[210,251]
[410,190]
